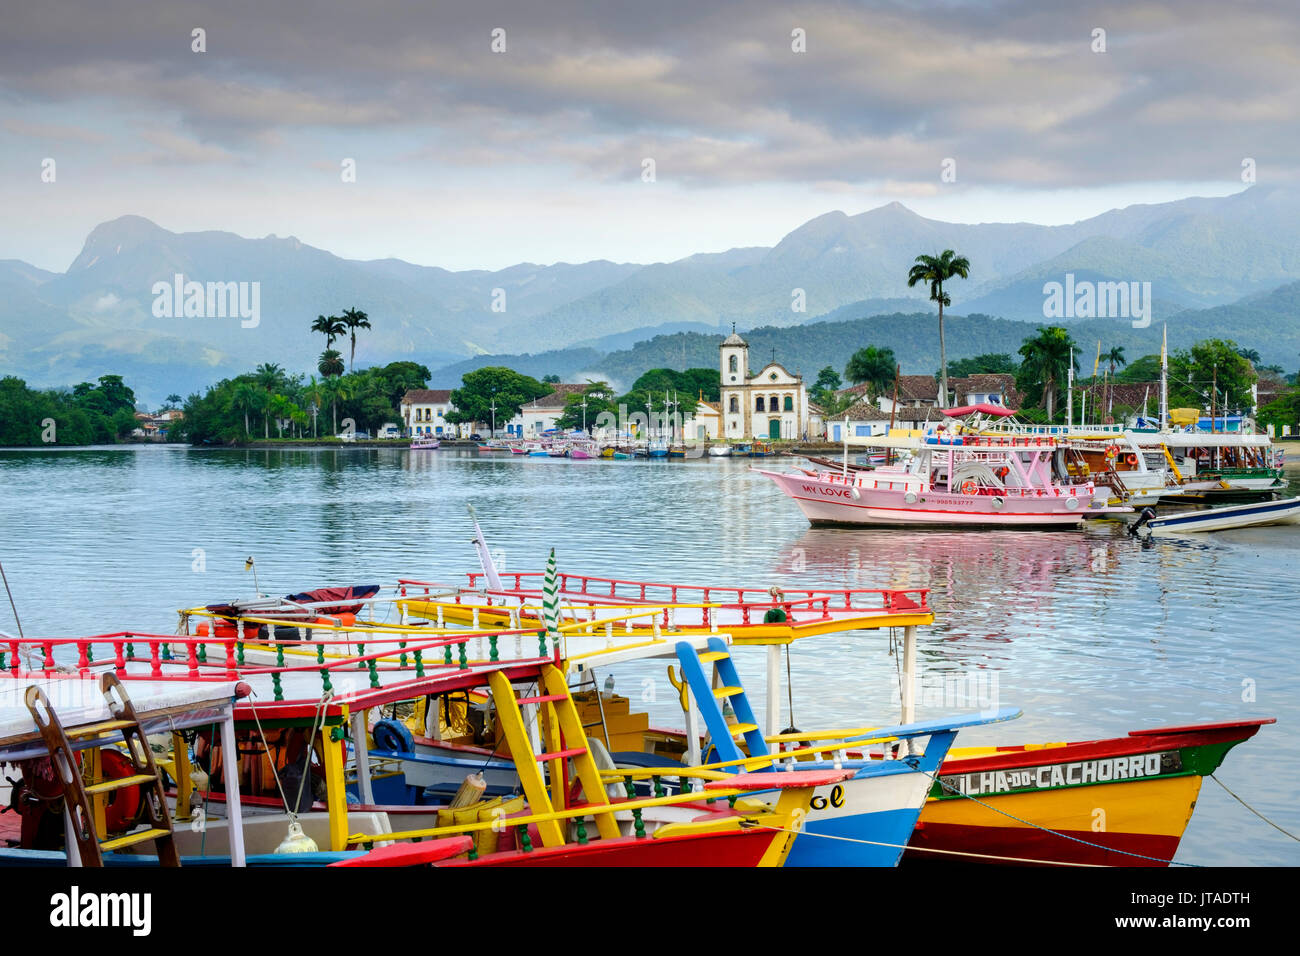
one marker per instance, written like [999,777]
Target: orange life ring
[969,487]
[1131,460]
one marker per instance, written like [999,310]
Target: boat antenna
[12,605]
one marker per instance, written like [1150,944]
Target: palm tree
[246,397]
[336,390]
[873,366]
[936,270]
[1047,356]
[1114,357]
[330,326]
[330,364]
[314,395]
[173,400]
[354,320]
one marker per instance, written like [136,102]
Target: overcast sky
[469,158]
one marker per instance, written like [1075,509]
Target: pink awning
[984,408]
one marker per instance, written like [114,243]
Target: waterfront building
[771,402]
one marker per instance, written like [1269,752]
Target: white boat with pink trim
[953,476]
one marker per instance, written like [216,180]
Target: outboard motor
[1145,515]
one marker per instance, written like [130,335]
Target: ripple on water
[1089,632]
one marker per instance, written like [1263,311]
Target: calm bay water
[1089,632]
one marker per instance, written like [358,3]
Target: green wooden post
[401,662]
[374,673]
[320,653]
[541,643]
[525,843]
[130,651]
[419,664]
[638,824]
[239,653]
[492,648]
[464,661]
[325,679]
[582,831]
[361,652]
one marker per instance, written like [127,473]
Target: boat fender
[1072,504]
[998,503]
[910,497]
[855,493]
[393,735]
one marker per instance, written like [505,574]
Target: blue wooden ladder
[709,700]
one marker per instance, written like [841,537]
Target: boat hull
[1119,802]
[868,820]
[1225,519]
[836,502]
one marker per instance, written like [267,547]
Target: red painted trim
[1149,742]
[735,848]
[1032,843]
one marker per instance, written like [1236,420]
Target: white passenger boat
[1253,515]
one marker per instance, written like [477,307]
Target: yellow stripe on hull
[1159,807]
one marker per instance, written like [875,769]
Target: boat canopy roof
[983,408]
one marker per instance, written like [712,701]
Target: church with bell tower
[770,403]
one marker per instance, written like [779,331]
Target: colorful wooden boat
[566,815]
[425,443]
[1125,801]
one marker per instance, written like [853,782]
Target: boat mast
[1164,379]
[1069,392]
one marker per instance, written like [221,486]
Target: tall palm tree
[246,397]
[330,364]
[354,319]
[336,390]
[1114,357]
[314,395]
[1047,356]
[936,270]
[330,326]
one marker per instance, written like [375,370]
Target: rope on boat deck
[1252,809]
[1063,836]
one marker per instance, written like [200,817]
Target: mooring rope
[1252,809]
[1064,836]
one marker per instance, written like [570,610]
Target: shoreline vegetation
[287,408]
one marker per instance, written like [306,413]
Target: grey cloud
[884,93]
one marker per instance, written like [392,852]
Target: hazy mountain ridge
[55,328]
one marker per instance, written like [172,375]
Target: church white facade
[770,403]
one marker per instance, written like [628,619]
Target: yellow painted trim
[335,792]
[530,775]
[1160,807]
[182,774]
[583,764]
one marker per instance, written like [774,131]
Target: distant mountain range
[1268,323]
[1226,263]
